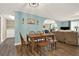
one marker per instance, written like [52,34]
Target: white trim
[3,28]
[17,43]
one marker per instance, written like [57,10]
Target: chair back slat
[22,40]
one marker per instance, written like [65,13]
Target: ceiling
[55,11]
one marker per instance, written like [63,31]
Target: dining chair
[32,41]
[52,43]
[23,44]
[42,42]
[38,32]
[32,33]
[42,47]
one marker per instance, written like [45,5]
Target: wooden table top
[40,35]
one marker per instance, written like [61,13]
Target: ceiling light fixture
[33,4]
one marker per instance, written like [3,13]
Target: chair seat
[43,43]
[55,40]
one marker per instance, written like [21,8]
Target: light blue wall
[25,28]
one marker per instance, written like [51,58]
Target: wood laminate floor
[7,48]
[61,50]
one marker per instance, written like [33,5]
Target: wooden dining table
[44,36]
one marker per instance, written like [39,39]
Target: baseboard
[17,43]
[10,37]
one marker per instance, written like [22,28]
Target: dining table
[43,36]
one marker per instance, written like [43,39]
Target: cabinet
[69,37]
[60,36]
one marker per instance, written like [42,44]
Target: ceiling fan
[32,5]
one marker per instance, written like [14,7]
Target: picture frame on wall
[32,21]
